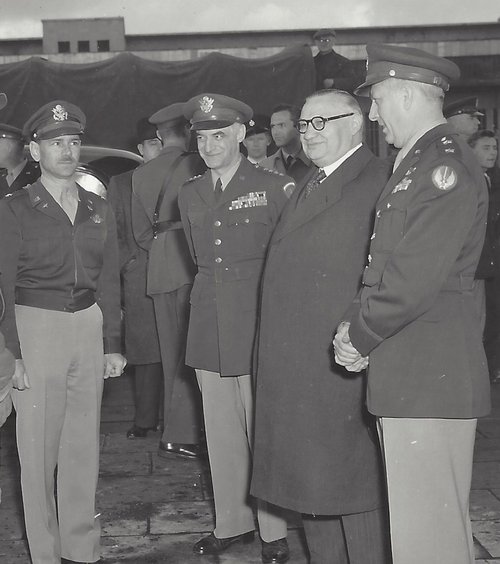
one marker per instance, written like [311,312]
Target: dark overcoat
[418,317]
[314,449]
[228,240]
[141,337]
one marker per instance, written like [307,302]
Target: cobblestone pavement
[153,509]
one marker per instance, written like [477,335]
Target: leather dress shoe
[275,552]
[212,545]
[181,449]
[136,432]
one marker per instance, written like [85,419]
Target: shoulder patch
[444,177]
[288,188]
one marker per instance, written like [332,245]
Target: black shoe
[182,449]
[275,552]
[136,432]
[212,545]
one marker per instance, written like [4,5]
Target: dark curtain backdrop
[116,92]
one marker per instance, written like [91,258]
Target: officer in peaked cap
[18,171]
[60,275]
[417,320]
[212,111]
[168,115]
[54,119]
[257,138]
[464,116]
[228,214]
[146,137]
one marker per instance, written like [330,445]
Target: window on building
[63,47]
[103,44]
[83,46]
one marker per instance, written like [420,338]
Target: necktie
[218,189]
[289,162]
[488,180]
[314,182]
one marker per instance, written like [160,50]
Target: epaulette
[193,178]
[17,193]
[271,170]
[446,145]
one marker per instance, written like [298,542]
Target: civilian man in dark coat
[17,171]
[332,69]
[416,321]
[158,229]
[141,337]
[312,273]
[228,215]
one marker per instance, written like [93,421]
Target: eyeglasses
[317,122]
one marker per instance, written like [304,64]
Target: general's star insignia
[444,177]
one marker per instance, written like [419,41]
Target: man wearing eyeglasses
[315,449]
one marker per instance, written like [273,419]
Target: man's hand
[358,366]
[345,353]
[114,363]
[20,380]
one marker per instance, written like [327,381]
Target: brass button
[217,223]
[218,260]
[247,220]
[217,241]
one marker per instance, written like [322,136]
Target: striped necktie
[314,182]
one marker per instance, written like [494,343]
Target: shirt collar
[227,176]
[413,139]
[334,166]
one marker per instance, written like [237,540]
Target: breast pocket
[250,229]
[90,242]
[44,250]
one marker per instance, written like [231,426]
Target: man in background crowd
[158,229]
[290,158]
[332,69]
[17,171]
[484,144]
[464,116]
[142,348]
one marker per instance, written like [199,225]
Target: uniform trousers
[58,420]
[359,538]
[147,391]
[228,412]
[182,402]
[428,466]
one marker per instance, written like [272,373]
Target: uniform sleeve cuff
[363,339]
[112,345]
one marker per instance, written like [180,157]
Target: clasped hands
[345,353]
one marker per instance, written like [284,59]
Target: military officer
[18,170]
[158,229]
[257,138]
[416,322]
[228,215]
[60,275]
[464,116]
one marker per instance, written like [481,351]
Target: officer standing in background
[18,170]
[142,347]
[464,116]
[228,215]
[158,229]
[257,138]
[416,321]
[60,275]
[332,69]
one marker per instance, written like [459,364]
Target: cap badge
[60,113]
[444,177]
[251,123]
[206,104]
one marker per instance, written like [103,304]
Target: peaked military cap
[10,132]
[54,119]
[258,124]
[211,111]
[168,115]
[3,100]
[145,130]
[390,61]
[324,33]
[462,106]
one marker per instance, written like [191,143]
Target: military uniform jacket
[170,265]
[28,175]
[417,318]
[44,254]
[313,449]
[228,240]
[141,337]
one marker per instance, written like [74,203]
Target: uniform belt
[460,284]
[56,302]
[162,226]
